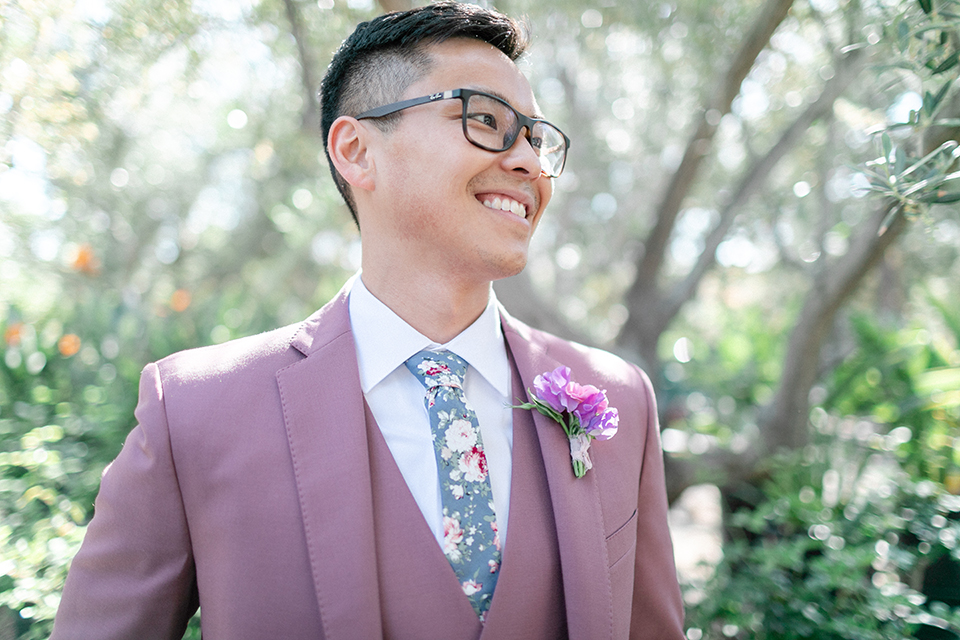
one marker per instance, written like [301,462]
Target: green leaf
[931,102]
[932,380]
[941,197]
[946,147]
[947,64]
[900,161]
[894,212]
[903,31]
[887,147]
[926,5]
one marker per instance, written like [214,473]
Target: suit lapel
[528,603]
[324,413]
[576,504]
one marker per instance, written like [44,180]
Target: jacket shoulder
[270,351]
[598,366]
[266,352]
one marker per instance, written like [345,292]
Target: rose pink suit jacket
[246,489]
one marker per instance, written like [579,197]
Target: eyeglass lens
[492,124]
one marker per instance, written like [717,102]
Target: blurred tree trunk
[783,423]
[649,307]
[310,113]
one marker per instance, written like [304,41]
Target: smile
[506,204]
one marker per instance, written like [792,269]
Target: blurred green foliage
[808,567]
[856,536]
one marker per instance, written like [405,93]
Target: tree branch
[309,116]
[647,316]
[754,177]
[783,422]
[772,14]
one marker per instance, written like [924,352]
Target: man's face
[443,205]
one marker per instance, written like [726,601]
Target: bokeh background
[761,207]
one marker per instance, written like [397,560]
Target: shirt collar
[384,341]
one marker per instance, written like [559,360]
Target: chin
[510,267]
[499,264]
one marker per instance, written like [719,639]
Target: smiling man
[368,472]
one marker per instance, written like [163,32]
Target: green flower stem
[568,421]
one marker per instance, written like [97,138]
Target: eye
[486,119]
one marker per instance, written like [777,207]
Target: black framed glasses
[492,124]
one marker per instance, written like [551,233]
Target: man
[295,485]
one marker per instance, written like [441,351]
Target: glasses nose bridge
[528,124]
[524,122]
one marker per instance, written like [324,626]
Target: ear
[348,145]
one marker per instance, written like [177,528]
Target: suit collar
[385,341]
[330,322]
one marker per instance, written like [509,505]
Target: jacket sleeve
[134,574]
[657,603]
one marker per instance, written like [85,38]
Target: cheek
[545,188]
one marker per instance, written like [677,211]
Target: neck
[437,307]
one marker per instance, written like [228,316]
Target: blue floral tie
[470,539]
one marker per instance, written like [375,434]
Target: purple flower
[603,426]
[577,394]
[551,385]
[592,402]
[581,409]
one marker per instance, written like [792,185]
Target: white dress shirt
[384,342]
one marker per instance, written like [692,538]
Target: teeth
[506,204]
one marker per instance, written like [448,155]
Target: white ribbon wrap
[580,450]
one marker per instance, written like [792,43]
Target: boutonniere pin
[582,411]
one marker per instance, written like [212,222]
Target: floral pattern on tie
[471,541]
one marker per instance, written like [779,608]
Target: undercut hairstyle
[384,56]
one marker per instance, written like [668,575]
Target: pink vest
[417,582]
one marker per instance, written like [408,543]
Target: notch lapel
[576,503]
[324,414]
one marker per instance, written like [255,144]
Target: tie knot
[438,369]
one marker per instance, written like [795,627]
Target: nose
[522,157]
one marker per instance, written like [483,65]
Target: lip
[523,198]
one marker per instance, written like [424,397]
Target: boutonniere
[582,411]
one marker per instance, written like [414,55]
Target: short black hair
[382,57]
